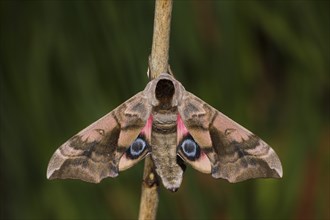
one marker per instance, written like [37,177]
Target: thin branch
[158,63]
[149,193]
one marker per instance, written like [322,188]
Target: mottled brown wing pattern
[235,153]
[94,153]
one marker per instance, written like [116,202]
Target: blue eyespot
[190,149]
[137,147]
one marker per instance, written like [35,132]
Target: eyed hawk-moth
[173,126]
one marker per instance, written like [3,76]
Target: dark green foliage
[64,64]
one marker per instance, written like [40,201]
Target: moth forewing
[236,154]
[94,153]
[243,155]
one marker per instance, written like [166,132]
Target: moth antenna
[170,70]
[149,69]
[148,73]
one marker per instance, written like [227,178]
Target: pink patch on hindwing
[146,131]
[181,129]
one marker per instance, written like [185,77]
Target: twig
[158,63]
[149,193]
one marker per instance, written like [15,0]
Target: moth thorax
[164,93]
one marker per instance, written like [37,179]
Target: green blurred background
[64,64]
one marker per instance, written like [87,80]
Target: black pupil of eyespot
[137,147]
[189,147]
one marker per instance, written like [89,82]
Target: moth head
[164,91]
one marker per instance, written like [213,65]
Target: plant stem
[149,193]
[158,63]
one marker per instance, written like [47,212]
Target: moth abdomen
[164,128]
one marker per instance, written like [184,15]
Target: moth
[175,127]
